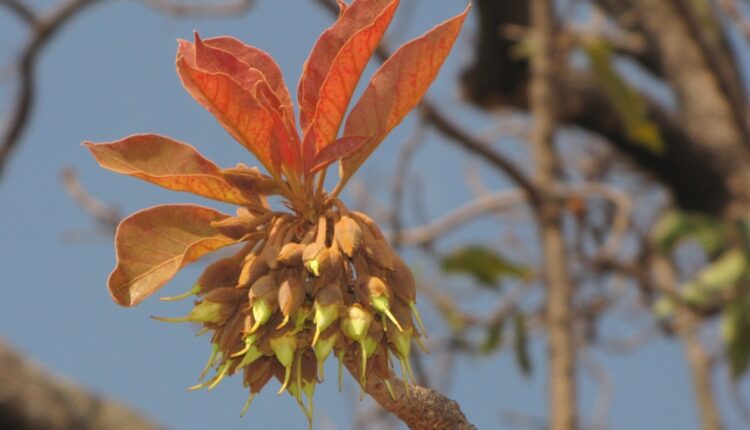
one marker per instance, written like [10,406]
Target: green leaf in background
[494,337]
[735,331]
[718,277]
[675,226]
[523,359]
[485,265]
[628,104]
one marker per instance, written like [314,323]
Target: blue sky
[110,74]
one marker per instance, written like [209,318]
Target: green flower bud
[356,322]
[262,311]
[285,347]
[316,258]
[323,348]
[325,315]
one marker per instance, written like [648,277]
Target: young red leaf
[153,244]
[397,87]
[337,150]
[238,111]
[344,73]
[284,135]
[258,59]
[166,162]
[351,20]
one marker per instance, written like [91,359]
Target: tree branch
[32,399]
[418,407]
[559,306]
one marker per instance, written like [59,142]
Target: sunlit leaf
[341,148]
[238,111]
[716,278]
[735,332]
[352,19]
[153,244]
[626,102]
[397,87]
[485,265]
[344,73]
[258,59]
[676,226]
[166,162]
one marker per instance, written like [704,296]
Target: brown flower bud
[253,268]
[316,258]
[291,254]
[401,279]
[348,235]
[291,296]
[263,298]
[274,243]
[231,334]
[374,244]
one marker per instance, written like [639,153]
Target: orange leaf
[351,19]
[285,140]
[397,87]
[337,150]
[344,73]
[153,244]
[258,59]
[166,162]
[238,110]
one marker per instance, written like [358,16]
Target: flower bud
[284,346]
[291,296]
[215,308]
[263,297]
[375,246]
[316,258]
[324,346]
[328,301]
[356,322]
[401,341]
[348,235]
[379,295]
[250,353]
[291,254]
[253,268]
[256,377]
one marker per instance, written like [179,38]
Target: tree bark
[559,318]
[418,407]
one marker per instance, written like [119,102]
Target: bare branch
[178,8]
[33,399]
[106,215]
[21,10]
[419,408]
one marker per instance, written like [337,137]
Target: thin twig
[177,8]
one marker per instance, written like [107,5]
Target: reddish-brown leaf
[238,110]
[397,87]
[153,244]
[337,150]
[345,71]
[351,20]
[285,139]
[260,60]
[166,162]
